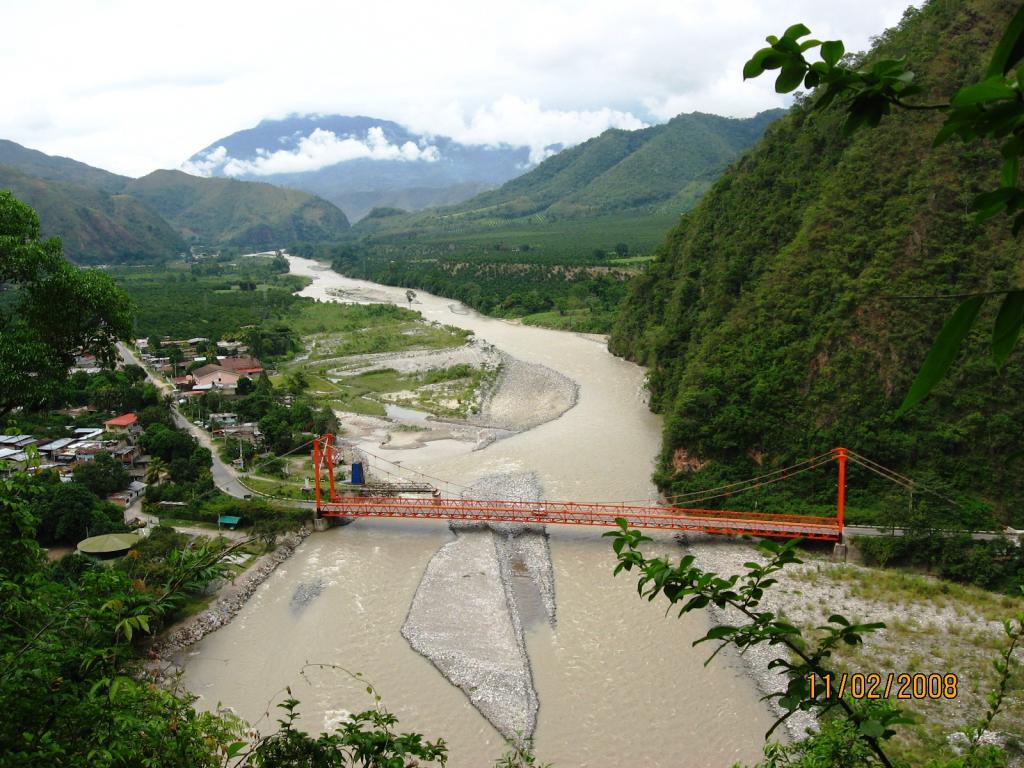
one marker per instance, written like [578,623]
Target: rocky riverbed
[467,616]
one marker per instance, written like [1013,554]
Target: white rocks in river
[465,619]
[462,621]
[526,395]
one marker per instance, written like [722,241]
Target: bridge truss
[330,504]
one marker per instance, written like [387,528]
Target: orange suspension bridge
[393,501]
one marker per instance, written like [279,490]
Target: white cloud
[132,86]
[523,122]
[318,150]
[206,164]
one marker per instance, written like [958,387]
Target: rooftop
[125,420]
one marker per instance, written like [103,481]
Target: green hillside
[105,218]
[658,171]
[52,168]
[768,318]
[244,213]
[97,227]
[556,245]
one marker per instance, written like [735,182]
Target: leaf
[993,89]
[943,352]
[756,66]
[1010,48]
[717,633]
[234,749]
[832,51]
[1011,170]
[1007,327]
[796,31]
[789,78]
[872,729]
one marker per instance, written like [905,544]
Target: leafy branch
[366,739]
[806,660]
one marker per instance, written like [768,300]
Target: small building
[217,375]
[224,419]
[229,521]
[21,442]
[122,423]
[126,454]
[51,449]
[247,366]
[128,496]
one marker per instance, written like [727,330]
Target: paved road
[224,475]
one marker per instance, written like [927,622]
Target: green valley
[542,246]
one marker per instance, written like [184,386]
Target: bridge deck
[575,513]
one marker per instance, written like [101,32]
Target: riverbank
[230,600]
[931,627]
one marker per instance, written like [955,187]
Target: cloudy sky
[134,86]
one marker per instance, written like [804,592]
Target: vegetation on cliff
[775,319]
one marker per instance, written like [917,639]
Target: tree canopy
[51,309]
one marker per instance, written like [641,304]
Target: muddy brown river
[618,681]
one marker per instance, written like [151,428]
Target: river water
[618,681]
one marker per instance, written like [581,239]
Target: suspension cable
[896,477]
[792,469]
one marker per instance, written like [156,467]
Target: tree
[103,475]
[622,249]
[156,468]
[57,309]
[989,110]
[69,512]
[175,356]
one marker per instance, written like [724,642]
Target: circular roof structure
[108,545]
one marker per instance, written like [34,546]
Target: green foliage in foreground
[775,319]
[856,733]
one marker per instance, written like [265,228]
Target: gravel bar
[465,618]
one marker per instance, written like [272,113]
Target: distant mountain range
[652,172]
[105,218]
[359,163]
[378,170]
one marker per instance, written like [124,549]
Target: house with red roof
[122,423]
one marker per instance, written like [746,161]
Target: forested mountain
[661,170]
[105,218]
[234,212]
[359,163]
[97,226]
[775,319]
[53,168]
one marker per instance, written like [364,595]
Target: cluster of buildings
[194,373]
[118,437]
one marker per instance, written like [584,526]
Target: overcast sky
[134,86]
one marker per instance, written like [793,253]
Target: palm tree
[156,468]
